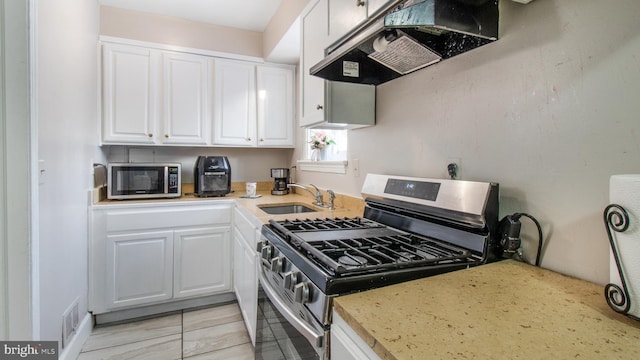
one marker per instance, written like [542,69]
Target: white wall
[549,111]
[15,253]
[66,112]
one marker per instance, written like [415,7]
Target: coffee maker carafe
[281,179]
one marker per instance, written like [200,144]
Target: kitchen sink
[286,209]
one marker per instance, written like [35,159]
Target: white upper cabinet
[234,104]
[253,104]
[315,37]
[130,84]
[185,83]
[375,5]
[275,106]
[327,104]
[344,16]
[153,96]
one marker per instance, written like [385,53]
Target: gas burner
[405,256]
[352,260]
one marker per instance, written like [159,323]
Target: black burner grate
[300,225]
[355,245]
[386,252]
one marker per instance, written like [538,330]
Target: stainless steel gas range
[411,228]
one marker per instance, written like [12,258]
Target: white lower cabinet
[143,255]
[201,261]
[140,268]
[245,268]
[346,344]
[245,283]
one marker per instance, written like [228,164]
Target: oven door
[281,333]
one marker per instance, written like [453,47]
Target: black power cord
[509,229]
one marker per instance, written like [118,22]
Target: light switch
[42,173]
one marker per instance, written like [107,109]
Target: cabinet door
[375,5]
[315,37]
[185,102]
[234,105]
[245,282]
[345,16]
[275,106]
[202,261]
[346,344]
[139,268]
[129,94]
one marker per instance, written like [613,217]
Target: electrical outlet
[453,172]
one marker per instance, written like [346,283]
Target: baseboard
[72,351]
[142,312]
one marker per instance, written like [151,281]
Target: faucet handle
[332,197]
[319,199]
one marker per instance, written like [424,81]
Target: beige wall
[549,111]
[282,20]
[178,32]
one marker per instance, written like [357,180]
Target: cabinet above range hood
[409,35]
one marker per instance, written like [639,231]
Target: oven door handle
[305,329]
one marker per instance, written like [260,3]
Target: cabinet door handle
[166,136]
[150,135]
[248,139]
[319,107]
[261,139]
[360,3]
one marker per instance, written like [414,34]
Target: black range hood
[409,35]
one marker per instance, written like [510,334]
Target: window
[331,153]
[335,150]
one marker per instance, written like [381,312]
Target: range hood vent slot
[408,36]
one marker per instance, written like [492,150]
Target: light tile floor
[204,334]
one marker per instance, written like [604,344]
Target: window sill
[335,167]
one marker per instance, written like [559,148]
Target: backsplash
[247,164]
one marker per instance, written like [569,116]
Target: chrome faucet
[318,194]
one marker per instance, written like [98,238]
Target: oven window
[276,338]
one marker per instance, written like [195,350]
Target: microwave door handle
[166,180]
[306,330]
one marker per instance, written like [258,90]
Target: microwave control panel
[173,182]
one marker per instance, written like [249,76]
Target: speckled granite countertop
[345,206]
[503,310]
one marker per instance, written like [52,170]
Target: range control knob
[301,293]
[277,264]
[291,278]
[267,252]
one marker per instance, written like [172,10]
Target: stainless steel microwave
[143,180]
